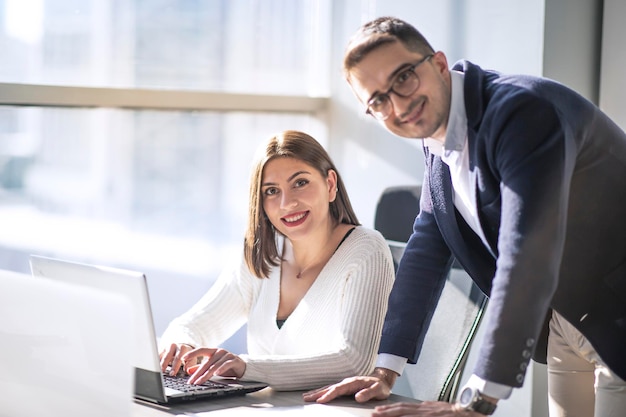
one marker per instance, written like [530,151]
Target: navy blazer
[549,175]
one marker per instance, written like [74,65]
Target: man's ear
[440,62]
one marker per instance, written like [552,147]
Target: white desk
[267,403]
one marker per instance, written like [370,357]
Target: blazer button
[519,378]
[523,366]
[526,354]
[530,342]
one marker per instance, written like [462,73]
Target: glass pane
[151,190]
[269,46]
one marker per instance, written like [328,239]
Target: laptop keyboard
[179,382]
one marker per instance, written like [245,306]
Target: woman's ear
[331,180]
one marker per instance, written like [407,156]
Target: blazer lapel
[464,244]
[443,200]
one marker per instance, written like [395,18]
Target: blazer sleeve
[419,281]
[525,159]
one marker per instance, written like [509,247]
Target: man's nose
[399,104]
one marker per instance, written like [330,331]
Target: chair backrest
[437,374]
[396,210]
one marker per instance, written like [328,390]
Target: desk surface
[266,402]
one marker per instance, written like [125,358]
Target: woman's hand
[173,356]
[217,362]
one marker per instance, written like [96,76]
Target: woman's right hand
[172,356]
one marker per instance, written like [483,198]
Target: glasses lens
[406,83]
[380,107]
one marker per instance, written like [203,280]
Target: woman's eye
[270,191]
[300,183]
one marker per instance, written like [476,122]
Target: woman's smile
[295,219]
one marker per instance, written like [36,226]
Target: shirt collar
[456,131]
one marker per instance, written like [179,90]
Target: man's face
[422,114]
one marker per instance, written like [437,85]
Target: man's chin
[411,133]
[414,131]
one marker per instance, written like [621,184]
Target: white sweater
[333,333]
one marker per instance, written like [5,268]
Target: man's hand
[424,409]
[376,386]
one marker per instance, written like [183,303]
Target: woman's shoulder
[367,233]
[362,236]
[366,250]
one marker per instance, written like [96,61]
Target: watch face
[470,399]
[466,396]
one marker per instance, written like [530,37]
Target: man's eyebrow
[390,78]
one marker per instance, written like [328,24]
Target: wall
[612,81]
[573,37]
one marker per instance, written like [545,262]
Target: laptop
[150,383]
[54,338]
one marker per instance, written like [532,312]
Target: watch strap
[472,399]
[483,406]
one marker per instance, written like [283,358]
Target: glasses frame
[386,95]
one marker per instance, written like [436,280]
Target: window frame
[18,94]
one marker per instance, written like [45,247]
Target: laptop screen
[145,358]
[67,349]
[131,284]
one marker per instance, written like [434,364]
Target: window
[251,46]
[129,126]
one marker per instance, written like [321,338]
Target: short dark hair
[381,31]
[260,251]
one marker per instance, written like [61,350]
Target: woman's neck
[310,254]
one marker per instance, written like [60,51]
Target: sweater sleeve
[352,300]
[219,313]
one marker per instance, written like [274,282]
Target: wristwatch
[471,399]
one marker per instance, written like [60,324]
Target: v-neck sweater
[333,333]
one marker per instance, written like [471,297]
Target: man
[525,185]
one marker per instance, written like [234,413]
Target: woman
[312,284]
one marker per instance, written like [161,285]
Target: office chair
[437,374]
[395,213]
[396,210]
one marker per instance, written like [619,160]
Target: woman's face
[296,196]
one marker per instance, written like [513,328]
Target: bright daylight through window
[146,186]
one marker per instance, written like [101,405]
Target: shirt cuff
[392,362]
[490,389]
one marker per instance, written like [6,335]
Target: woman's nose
[287,200]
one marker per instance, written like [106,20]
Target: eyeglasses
[404,84]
